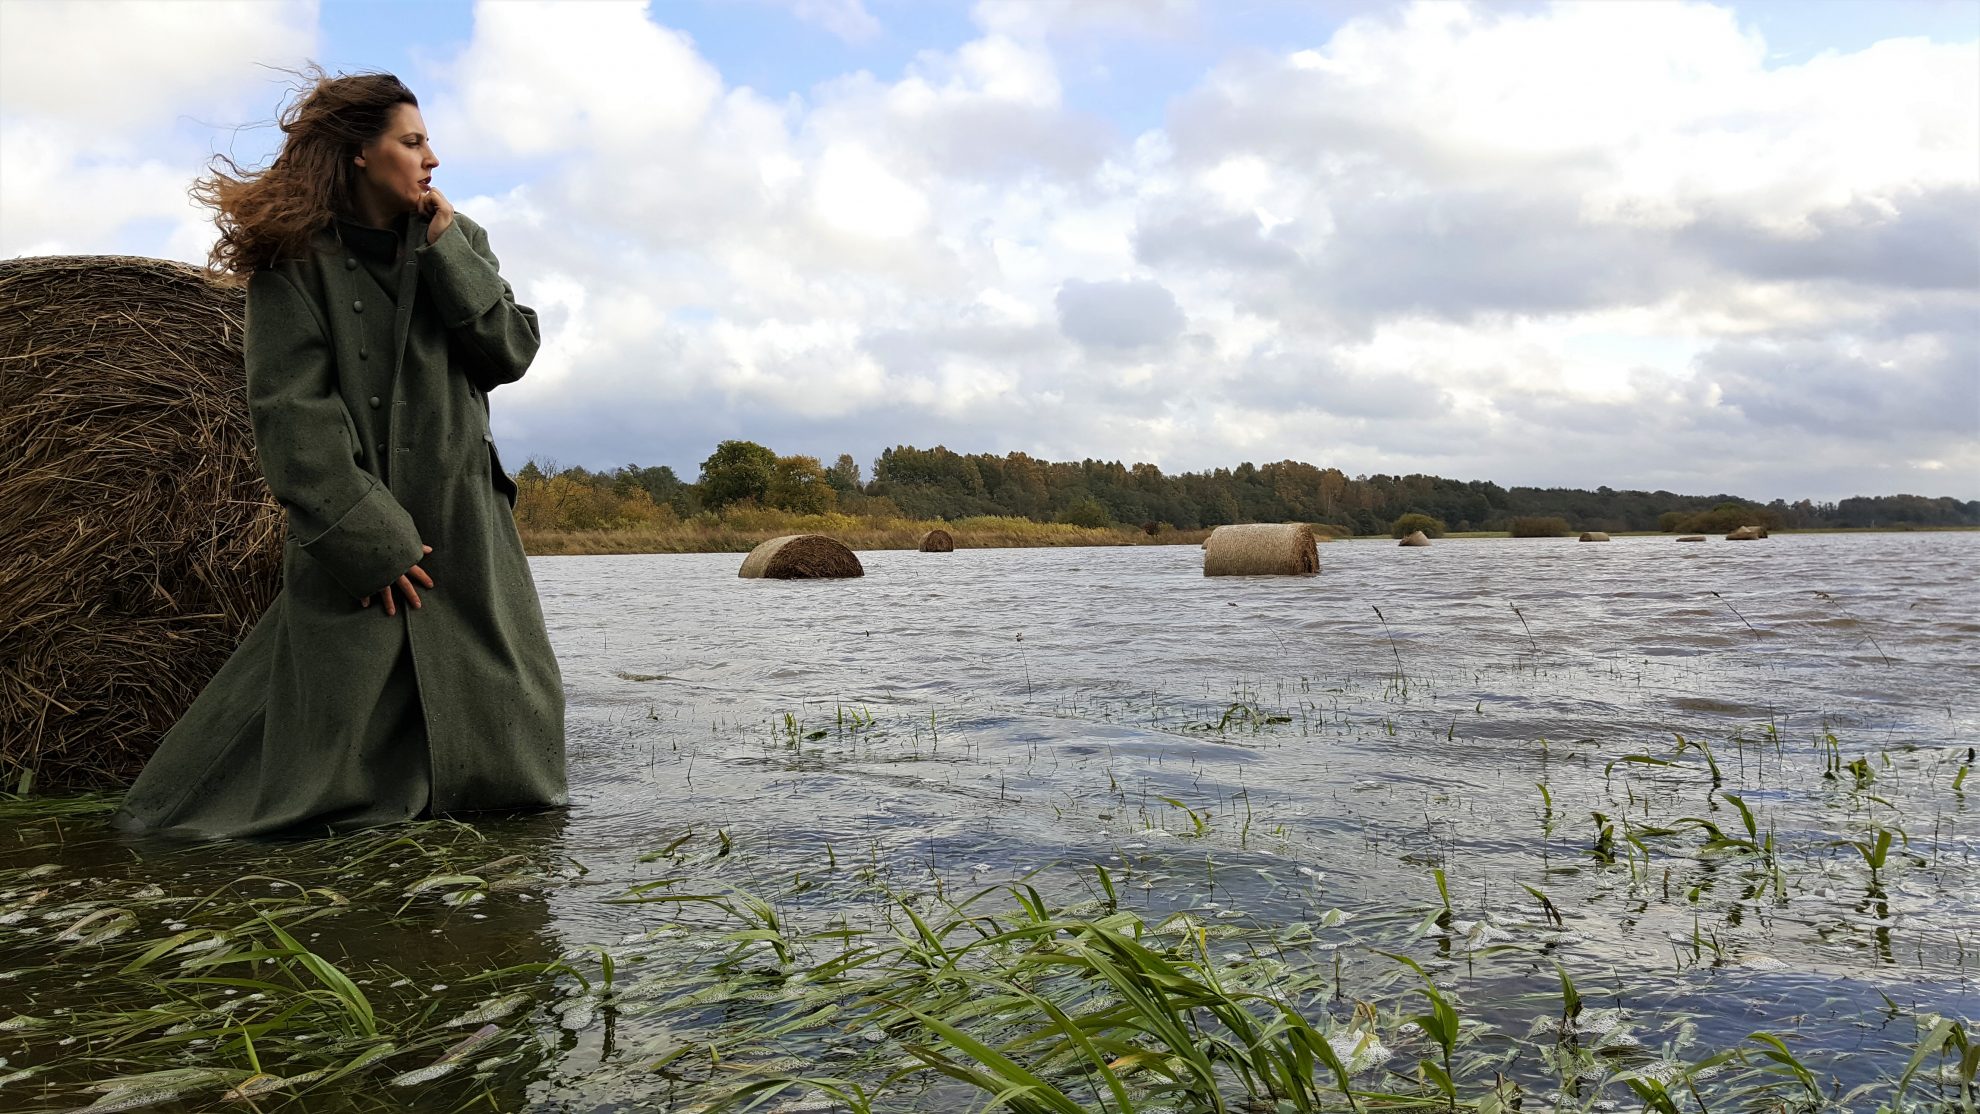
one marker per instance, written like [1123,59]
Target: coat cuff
[370,547]
[463,283]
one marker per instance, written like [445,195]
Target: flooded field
[1492,825]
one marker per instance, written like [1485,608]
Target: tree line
[940,484]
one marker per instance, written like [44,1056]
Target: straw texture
[801,557]
[1416,540]
[938,541]
[1594,536]
[138,543]
[1261,549]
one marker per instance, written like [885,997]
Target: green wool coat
[369,365]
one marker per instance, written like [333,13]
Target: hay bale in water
[141,544]
[938,541]
[1692,538]
[1594,536]
[1746,534]
[801,557]
[1416,539]
[1262,549]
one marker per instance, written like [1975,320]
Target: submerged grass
[141,993]
[841,991]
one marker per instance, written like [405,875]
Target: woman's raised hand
[405,584]
[439,211]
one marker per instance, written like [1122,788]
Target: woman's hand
[405,584]
[434,206]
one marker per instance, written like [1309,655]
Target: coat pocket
[503,483]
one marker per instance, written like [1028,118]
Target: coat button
[374,402]
[350,264]
[381,448]
[357,305]
[364,353]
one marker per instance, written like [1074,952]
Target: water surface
[1260,751]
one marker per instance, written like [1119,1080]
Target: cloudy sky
[1681,245]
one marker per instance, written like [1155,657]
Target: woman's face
[397,167]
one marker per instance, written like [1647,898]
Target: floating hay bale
[801,557]
[1416,539]
[1594,536]
[1746,534]
[141,544]
[938,541]
[1692,538]
[1262,549]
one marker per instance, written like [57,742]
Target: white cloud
[1580,244]
[1435,234]
[848,19]
[119,66]
[1046,18]
[858,196]
[109,109]
[541,78]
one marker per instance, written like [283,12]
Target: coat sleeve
[498,336]
[308,446]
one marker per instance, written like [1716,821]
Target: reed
[741,530]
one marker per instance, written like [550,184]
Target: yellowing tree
[799,484]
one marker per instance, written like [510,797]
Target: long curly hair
[266,216]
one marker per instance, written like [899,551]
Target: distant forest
[939,484]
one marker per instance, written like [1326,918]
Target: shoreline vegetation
[740,530]
[746,493]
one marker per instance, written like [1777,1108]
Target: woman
[404,669]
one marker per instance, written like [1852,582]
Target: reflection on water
[1588,720]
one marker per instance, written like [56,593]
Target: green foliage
[843,475]
[1537,526]
[937,483]
[660,484]
[799,485]
[1722,518]
[1085,512]
[1410,523]
[735,471]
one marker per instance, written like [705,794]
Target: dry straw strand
[801,557]
[138,543]
[1261,549]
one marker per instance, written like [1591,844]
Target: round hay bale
[1261,549]
[800,557]
[1416,539]
[140,543]
[1746,534]
[938,541]
[1692,538]
[1594,536]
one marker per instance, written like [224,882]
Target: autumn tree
[800,485]
[735,471]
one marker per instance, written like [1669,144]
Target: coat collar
[381,243]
